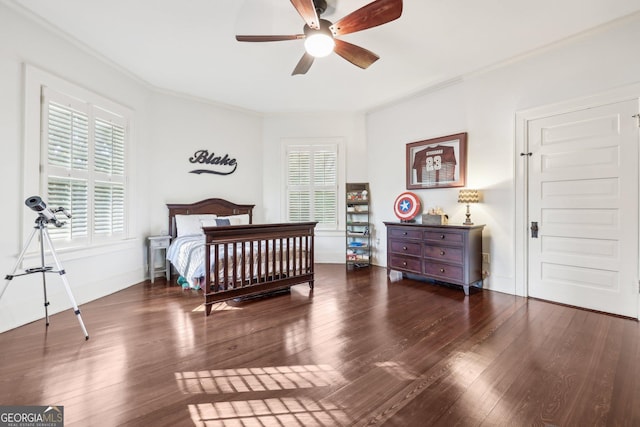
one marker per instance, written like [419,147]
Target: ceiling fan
[320,35]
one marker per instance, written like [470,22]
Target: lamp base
[468,215]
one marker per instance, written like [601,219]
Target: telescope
[38,205]
[45,216]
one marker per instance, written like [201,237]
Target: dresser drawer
[444,272]
[405,263]
[448,237]
[444,253]
[404,233]
[405,247]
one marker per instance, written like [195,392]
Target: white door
[583,195]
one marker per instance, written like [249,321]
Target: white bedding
[187,255]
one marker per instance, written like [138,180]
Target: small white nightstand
[156,243]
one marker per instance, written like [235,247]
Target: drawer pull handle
[442,270]
[404,234]
[404,248]
[404,263]
[441,252]
[442,236]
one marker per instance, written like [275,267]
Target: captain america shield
[407,206]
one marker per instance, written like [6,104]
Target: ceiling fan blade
[375,13]
[357,55]
[274,38]
[307,10]
[303,65]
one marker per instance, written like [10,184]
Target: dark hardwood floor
[357,351]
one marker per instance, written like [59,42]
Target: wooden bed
[249,259]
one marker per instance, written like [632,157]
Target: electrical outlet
[485,258]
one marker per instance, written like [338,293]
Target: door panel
[583,192]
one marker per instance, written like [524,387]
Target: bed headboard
[219,207]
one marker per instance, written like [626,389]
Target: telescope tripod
[41,227]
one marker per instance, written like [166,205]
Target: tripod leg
[8,277]
[63,276]
[44,277]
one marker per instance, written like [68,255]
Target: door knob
[534,230]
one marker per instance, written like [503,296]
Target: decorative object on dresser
[358,226]
[158,243]
[467,197]
[407,206]
[435,216]
[437,162]
[216,248]
[446,253]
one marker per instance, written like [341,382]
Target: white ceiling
[189,46]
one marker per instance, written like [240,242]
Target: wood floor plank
[430,397]
[357,350]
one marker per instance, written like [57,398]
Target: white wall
[484,105]
[329,246]
[183,126]
[23,42]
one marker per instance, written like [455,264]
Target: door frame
[521,168]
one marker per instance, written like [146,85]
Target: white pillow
[237,219]
[208,223]
[188,225]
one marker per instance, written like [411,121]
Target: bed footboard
[252,259]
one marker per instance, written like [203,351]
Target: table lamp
[468,197]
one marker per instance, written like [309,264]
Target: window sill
[329,233]
[81,252]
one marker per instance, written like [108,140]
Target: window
[312,184]
[83,167]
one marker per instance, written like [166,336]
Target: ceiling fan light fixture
[319,44]
[319,33]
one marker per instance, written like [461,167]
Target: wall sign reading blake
[221,165]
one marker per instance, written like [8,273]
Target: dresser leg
[466,289]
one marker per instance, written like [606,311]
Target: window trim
[34,180]
[338,142]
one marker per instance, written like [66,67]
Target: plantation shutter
[299,178]
[68,145]
[108,215]
[325,192]
[67,138]
[85,150]
[109,192]
[71,194]
[312,190]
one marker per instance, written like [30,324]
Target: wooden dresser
[445,253]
